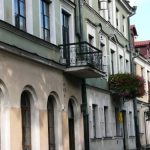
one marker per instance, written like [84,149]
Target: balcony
[82,60]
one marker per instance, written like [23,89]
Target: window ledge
[108,138]
[118,137]
[95,138]
[132,136]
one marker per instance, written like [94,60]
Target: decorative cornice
[31,56]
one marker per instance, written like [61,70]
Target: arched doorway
[71,125]
[26,120]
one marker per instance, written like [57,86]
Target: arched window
[71,126]
[51,127]
[26,120]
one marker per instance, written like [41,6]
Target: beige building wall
[18,74]
[142,69]
[142,72]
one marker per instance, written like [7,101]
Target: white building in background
[142,68]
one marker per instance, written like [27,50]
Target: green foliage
[127,85]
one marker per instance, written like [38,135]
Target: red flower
[127,85]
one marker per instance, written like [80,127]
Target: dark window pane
[65,17]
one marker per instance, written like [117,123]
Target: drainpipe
[136,122]
[80,20]
[84,107]
[85,116]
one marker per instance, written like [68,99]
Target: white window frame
[68,9]
[29,15]
[91,30]
[118,17]
[51,21]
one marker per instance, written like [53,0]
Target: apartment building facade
[106,26]
[40,77]
[142,68]
[56,57]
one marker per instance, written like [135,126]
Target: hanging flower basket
[127,85]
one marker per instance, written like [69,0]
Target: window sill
[95,138]
[118,137]
[132,136]
[108,138]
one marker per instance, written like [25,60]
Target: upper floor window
[65,32]
[45,21]
[102,4]
[117,19]
[110,11]
[123,21]
[148,76]
[120,64]
[142,71]
[90,39]
[65,27]
[112,61]
[127,65]
[20,14]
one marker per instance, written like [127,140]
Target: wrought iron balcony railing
[81,54]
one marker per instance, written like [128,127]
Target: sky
[142,18]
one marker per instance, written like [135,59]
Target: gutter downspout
[84,107]
[136,122]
